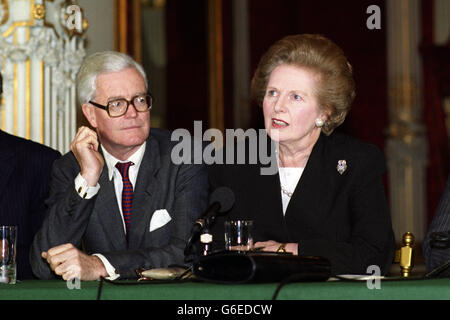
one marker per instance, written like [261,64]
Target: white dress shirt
[289,178]
[114,173]
[87,192]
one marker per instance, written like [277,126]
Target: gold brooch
[341,166]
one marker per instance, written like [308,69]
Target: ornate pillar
[41,49]
[241,65]
[406,144]
[215,65]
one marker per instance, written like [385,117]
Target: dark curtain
[344,22]
[436,85]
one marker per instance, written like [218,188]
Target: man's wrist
[100,267]
[111,273]
[91,180]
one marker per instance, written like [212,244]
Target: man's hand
[85,148]
[69,263]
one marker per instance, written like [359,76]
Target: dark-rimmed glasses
[118,107]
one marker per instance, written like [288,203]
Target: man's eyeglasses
[118,107]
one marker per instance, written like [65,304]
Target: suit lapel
[305,203]
[269,186]
[108,211]
[266,207]
[145,191]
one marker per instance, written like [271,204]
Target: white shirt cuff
[82,188]
[112,272]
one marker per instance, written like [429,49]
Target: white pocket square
[160,218]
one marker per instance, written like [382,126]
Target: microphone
[221,201]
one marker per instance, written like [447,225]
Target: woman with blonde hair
[327,198]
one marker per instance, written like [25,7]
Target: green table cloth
[432,289]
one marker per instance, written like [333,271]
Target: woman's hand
[273,246]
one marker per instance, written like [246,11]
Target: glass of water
[8,242]
[238,235]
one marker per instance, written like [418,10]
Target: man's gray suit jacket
[95,225]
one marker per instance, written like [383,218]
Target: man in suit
[436,256]
[117,201]
[25,168]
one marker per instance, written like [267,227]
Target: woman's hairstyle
[100,63]
[335,89]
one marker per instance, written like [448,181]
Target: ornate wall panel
[407,148]
[41,49]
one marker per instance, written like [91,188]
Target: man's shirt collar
[111,161]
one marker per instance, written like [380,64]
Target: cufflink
[79,192]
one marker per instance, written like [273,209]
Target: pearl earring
[319,122]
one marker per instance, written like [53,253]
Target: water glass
[238,235]
[8,242]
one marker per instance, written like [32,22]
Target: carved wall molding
[41,49]
[406,149]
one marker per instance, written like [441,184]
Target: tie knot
[123,168]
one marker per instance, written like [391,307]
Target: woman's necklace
[283,189]
[286,192]
[284,179]
[284,173]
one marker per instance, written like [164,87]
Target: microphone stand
[200,229]
[206,238]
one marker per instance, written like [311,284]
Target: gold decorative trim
[85,24]
[42,102]
[15,98]
[39,11]
[15,90]
[3,113]
[16,24]
[27,100]
[123,33]
[120,14]
[27,92]
[5,5]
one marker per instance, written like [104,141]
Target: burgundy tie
[127,192]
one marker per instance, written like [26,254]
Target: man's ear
[89,114]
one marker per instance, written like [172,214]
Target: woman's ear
[326,114]
[89,114]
